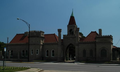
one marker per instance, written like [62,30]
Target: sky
[50,15]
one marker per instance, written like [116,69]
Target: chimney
[59,36]
[100,32]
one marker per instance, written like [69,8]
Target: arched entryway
[70,53]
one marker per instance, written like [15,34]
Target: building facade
[50,47]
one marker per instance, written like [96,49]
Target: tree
[81,34]
[2,45]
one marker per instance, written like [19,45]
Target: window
[103,53]
[47,53]
[71,32]
[91,53]
[11,52]
[31,52]
[22,53]
[52,53]
[37,52]
[84,53]
[26,53]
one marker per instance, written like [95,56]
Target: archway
[70,53]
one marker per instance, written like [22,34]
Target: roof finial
[72,13]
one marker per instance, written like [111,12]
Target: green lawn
[12,69]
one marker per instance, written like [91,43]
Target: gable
[90,37]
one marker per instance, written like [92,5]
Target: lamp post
[4,57]
[28,35]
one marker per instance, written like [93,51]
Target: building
[50,47]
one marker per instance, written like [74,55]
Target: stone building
[50,47]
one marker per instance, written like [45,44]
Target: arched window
[32,52]
[47,53]
[37,52]
[71,32]
[52,53]
[22,53]
[103,53]
[91,53]
[26,53]
[84,53]
[11,53]
[8,53]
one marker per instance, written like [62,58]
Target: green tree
[2,45]
[81,34]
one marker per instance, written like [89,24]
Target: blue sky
[49,15]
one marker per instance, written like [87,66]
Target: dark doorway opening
[70,53]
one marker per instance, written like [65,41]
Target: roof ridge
[49,34]
[20,34]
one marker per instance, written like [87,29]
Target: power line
[117,42]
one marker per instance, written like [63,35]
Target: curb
[32,70]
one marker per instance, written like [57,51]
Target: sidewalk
[60,71]
[40,70]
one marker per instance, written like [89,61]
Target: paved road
[69,66]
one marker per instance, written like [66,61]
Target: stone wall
[87,46]
[50,47]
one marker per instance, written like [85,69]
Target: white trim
[52,53]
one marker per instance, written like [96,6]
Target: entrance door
[70,53]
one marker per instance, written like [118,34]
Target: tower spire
[72,13]
[72,19]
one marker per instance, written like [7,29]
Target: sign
[5,49]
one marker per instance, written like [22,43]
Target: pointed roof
[91,37]
[72,20]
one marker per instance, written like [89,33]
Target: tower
[71,27]
[36,43]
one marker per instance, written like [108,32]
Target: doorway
[70,53]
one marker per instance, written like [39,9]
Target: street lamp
[28,35]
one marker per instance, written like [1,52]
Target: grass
[12,69]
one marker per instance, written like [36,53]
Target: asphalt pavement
[67,67]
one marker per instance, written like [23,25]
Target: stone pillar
[59,45]
[59,36]
[76,53]
[77,35]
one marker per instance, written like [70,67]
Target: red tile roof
[114,47]
[50,38]
[72,21]
[20,38]
[91,37]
